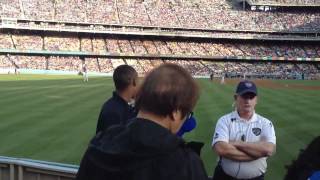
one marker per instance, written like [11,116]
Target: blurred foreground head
[170,93]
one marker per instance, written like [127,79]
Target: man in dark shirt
[117,109]
[148,148]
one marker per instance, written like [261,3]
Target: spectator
[117,109]
[148,148]
[307,165]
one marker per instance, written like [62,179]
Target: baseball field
[52,118]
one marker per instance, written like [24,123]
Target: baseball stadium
[49,113]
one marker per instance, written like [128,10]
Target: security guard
[243,139]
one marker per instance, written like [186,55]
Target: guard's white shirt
[231,127]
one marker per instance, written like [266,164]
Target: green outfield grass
[52,118]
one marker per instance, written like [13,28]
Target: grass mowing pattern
[53,117]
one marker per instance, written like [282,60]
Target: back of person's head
[166,89]
[307,162]
[123,76]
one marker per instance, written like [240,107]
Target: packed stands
[232,69]
[158,47]
[214,38]
[213,14]
[175,49]
[145,53]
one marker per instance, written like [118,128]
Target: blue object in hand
[315,176]
[187,126]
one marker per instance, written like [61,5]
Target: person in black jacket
[148,148]
[307,164]
[118,109]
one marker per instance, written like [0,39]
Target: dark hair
[123,76]
[166,89]
[307,162]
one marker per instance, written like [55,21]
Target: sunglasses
[189,115]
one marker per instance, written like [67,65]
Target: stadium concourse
[57,35]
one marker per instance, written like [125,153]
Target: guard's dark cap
[246,87]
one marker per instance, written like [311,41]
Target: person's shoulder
[185,155]
[263,119]
[111,106]
[112,102]
[108,103]
[194,163]
[183,163]
[227,118]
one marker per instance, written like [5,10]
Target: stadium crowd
[214,14]
[143,66]
[158,47]
[172,13]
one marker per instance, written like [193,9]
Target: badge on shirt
[256,131]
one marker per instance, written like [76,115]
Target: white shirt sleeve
[221,132]
[268,133]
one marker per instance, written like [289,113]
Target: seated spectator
[307,165]
[148,147]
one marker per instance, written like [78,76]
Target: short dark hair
[166,89]
[123,76]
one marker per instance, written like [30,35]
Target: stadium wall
[57,72]
[48,72]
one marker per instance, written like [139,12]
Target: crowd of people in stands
[172,13]
[157,47]
[214,14]
[143,66]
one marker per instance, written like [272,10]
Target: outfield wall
[27,169]
[48,72]
[56,72]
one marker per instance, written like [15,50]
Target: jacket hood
[126,148]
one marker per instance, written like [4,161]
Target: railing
[27,169]
[283,4]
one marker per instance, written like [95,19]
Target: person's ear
[176,115]
[235,97]
[134,82]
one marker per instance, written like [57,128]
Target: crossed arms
[244,151]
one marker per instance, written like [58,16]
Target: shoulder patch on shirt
[256,131]
[216,135]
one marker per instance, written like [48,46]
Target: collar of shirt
[238,118]
[119,98]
